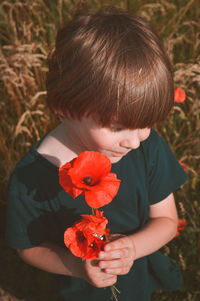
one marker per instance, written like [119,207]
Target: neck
[71,139]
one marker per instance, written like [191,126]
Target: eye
[116,128]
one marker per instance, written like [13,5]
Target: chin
[115,159]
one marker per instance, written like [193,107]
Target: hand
[93,274]
[118,255]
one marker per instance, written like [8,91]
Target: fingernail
[107,248]
[101,255]
[103,264]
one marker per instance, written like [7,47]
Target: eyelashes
[116,128]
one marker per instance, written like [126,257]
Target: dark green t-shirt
[40,210]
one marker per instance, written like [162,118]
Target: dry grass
[27,32]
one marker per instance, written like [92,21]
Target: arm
[54,259]
[51,258]
[160,229]
[120,254]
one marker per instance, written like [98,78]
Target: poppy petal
[179,95]
[105,193]
[91,164]
[182,224]
[93,161]
[86,238]
[183,166]
[66,182]
[93,224]
[97,199]
[89,174]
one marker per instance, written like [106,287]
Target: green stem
[114,291]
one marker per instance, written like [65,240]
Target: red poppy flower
[183,166]
[182,224]
[89,175]
[93,223]
[87,237]
[179,95]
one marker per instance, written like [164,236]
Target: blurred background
[27,34]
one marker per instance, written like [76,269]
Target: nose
[130,140]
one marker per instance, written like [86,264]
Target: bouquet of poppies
[89,175]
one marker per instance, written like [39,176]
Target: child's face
[115,141]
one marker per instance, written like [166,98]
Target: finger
[117,271]
[112,264]
[116,254]
[116,267]
[117,244]
[109,281]
[104,282]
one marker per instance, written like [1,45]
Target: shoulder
[153,141]
[155,147]
[149,149]
[165,174]
[144,154]
[22,173]
[29,171]
[23,165]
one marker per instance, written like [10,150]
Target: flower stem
[106,237]
[114,291]
[113,288]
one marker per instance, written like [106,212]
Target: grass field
[27,32]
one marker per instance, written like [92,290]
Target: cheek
[102,139]
[98,138]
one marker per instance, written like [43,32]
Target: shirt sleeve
[165,174]
[24,224]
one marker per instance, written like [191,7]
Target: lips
[117,154]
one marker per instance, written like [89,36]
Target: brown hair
[110,65]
